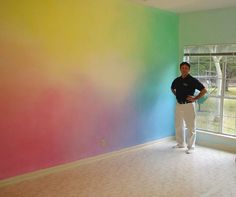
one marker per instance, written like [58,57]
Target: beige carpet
[156,170]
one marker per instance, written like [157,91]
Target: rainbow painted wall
[81,78]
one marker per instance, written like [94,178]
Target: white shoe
[189,151]
[178,146]
[192,148]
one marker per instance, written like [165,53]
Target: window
[215,67]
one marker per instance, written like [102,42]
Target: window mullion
[222,96]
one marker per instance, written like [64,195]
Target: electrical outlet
[103,143]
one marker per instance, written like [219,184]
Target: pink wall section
[47,126]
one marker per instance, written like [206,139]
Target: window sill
[218,141]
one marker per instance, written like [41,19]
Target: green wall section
[207,27]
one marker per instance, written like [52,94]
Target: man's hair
[184,63]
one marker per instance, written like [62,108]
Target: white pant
[185,118]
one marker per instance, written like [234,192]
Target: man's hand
[191,98]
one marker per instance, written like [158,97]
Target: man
[183,88]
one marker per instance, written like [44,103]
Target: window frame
[222,96]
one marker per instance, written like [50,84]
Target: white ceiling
[179,6]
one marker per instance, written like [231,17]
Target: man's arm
[173,91]
[201,93]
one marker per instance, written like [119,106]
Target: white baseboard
[39,173]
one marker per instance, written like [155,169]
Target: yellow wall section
[74,38]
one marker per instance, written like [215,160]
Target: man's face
[184,69]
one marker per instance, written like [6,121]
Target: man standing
[183,88]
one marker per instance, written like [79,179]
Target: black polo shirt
[185,87]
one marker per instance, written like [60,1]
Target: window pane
[204,63]
[208,115]
[204,69]
[230,85]
[229,118]
[193,60]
